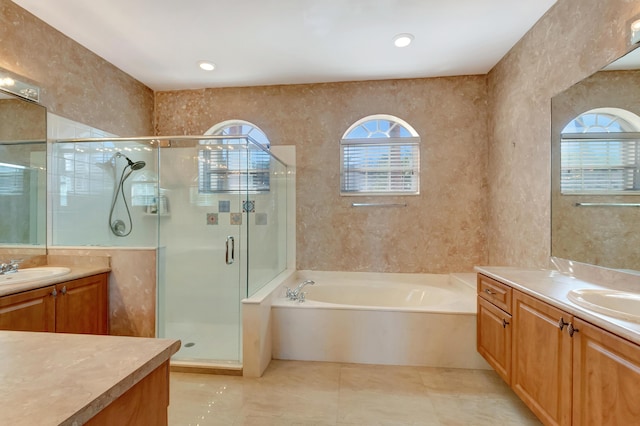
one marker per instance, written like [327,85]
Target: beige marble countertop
[77,271]
[552,287]
[66,379]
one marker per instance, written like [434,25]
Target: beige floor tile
[382,378]
[453,410]
[330,394]
[452,381]
[378,408]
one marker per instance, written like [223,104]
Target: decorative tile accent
[236,219]
[261,218]
[224,206]
[212,218]
[249,206]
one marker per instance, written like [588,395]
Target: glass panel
[267,219]
[96,177]
[200,293]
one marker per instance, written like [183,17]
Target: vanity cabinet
[542,352]
[566,370]
[77,306]
[606,377]
[494,325]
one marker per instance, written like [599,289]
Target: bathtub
[372,318]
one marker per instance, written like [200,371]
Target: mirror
[595,168]
[23,147]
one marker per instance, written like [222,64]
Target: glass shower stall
[214,207]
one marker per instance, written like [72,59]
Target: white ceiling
[263,42]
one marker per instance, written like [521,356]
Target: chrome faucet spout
[297,294]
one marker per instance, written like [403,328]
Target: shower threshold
[207,367]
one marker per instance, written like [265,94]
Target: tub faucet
[297,294]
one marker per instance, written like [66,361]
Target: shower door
[201,266]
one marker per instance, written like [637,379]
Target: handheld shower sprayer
[118,226]
[134,166]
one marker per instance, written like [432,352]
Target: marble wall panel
[132,288]
[572,41]
[75,82]
[441,230]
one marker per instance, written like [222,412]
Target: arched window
[599,153]
[237,163]
[380,155]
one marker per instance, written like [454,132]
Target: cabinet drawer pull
[561,324]
[505,323]
[572,329]
[488,291]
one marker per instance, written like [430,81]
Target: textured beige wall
[572,41]
[441,230]
[75,83]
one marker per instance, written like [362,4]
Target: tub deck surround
[67,379]
[436,333]
[552,286]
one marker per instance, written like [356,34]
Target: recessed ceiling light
[207,66]
[403,40]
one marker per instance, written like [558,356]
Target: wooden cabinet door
[541,365]
[606,378]
[32,310]
[494,338]
[81,306]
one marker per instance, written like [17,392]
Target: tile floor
[322,394]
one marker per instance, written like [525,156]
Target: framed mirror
[595,168]
[23,176]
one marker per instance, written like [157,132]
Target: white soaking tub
[377,318]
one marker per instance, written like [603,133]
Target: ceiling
[264,42]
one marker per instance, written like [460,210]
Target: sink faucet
[297,294]
[9,268]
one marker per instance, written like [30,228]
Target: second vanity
[72,302]
[570,365]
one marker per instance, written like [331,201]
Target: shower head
[134,166]
[137,165]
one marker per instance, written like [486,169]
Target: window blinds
[599,164]
[380,166]
[233,170]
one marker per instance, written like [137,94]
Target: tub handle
[227,259]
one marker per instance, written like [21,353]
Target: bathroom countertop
[77,271]
[552,287]
[66,379]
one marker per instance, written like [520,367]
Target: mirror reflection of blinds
[380,166]
[12,180]
[601,164]
[233,170]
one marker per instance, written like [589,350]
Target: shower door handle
[228,259]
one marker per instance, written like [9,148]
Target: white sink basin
[33,274]
[614,303]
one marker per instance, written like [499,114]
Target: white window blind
[599,153]
[599,165]
[380,155]
[235,164]
[233,170]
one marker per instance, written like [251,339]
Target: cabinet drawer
[495,292]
